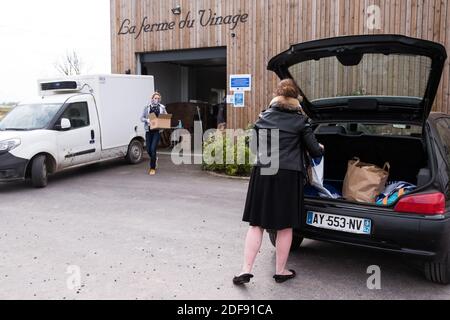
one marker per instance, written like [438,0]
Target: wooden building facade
[253,31]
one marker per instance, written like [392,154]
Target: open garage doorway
[193,84]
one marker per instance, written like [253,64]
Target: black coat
[295,136]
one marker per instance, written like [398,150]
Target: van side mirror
[64,125]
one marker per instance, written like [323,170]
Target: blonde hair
[156,94]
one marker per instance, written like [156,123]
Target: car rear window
[375,75]
[373,129]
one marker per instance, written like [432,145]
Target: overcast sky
[34,34]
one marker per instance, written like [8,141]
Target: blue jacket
[146,113]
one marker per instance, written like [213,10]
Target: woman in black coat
[275,202]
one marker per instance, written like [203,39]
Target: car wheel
[135,152]
[296,240]
[39,174]
[438,271]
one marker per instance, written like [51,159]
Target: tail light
[427,204]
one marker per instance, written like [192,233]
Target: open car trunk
[355,77]
[368,81]
[406,155]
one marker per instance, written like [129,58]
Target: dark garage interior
[192,83]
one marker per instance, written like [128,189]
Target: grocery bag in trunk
[316,173]
[364,181]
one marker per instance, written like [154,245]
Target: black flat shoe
[242,279]
[283,278]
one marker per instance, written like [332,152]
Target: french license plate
[339,223]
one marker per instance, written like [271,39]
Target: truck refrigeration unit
[74,122]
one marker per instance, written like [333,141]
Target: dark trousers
[152,140]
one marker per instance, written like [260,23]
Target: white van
[76,121]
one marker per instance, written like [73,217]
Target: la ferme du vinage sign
[206,18]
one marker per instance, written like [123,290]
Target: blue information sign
[239,99]
[240,82]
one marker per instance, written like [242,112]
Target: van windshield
[29,117]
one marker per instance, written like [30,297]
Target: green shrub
[227,146]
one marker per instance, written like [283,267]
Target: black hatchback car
[371,97]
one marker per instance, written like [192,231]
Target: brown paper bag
[364,181]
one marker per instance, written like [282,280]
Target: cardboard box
[163,122]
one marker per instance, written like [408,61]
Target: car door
[81,143]
[443,131]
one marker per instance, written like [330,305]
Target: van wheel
[39,174]
[438,271]
[296,240]
[135,152]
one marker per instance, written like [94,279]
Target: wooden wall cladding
[270,28]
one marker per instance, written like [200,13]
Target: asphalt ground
[110,231]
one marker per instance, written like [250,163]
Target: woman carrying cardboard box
[152,136]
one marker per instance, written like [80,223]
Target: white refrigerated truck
[75,121]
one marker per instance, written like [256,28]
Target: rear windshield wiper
[14,129]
